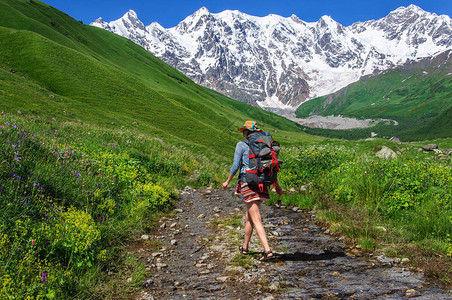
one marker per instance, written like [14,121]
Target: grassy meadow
[74,195]
[402,206]
[417,96]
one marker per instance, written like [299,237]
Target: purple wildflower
[17,159]
[44,276]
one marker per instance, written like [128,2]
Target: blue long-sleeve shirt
[241,160]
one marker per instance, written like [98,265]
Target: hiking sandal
[266,256]
[243,251]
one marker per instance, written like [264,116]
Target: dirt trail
[196,257]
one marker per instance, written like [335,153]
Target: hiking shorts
[250,194]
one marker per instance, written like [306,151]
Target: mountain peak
[131,13]
[410,10]
[202,11]
[272,58]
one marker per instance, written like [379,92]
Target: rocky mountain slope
[280,62]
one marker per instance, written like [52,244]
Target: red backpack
[263,160]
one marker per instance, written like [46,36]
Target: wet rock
[146,296]
[385,260]
[147,283]
[237,269]
[222,278]
[412,293]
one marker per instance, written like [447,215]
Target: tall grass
[412,193]
[71,193]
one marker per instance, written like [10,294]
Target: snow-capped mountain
[280,62]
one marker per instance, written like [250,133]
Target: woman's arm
[239,149]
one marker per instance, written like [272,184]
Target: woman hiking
[252,196]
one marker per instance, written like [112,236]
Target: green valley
[68,70]
[418,96]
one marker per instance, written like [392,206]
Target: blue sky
[170,12]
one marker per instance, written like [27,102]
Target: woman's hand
[225,185]
[227,182]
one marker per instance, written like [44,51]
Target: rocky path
[193,255]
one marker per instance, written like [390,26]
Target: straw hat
[250,125]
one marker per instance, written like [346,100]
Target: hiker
[253,196]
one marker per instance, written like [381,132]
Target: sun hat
[250,125]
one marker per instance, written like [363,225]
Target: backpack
[263,160]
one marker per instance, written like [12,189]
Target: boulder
[386,153]
[447,151]
[430,147]
[395,139]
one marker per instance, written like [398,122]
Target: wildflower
[17,159]
[44,276]
[32,242]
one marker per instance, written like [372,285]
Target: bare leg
[255,217]
[248,231]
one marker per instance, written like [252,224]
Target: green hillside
[417,95]
[54,66]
